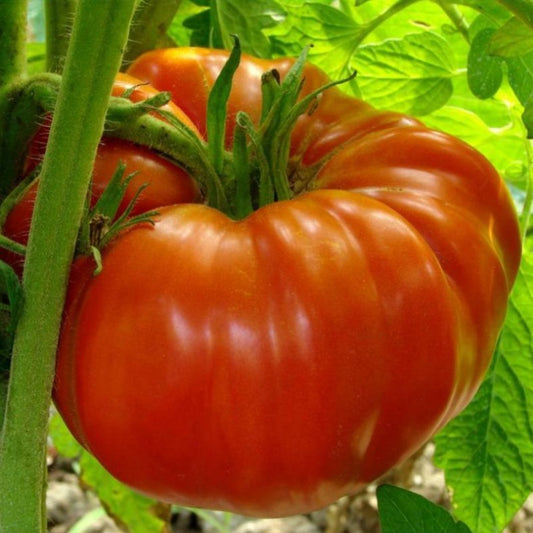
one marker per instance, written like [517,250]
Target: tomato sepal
[101,224]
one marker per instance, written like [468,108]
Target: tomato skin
[270,365]
[167,183]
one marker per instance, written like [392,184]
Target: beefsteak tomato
[271,364]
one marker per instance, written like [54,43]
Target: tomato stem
[149,27]
[59,16]
[175,140]
[13,41]
[456,17]
[265,187]
[92,61]
[12,246]
[12,62]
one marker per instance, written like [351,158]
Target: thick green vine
[92,61]
[59,16]
[12,42]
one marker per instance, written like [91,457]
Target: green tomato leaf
[62,439]
[135,512]
[485,72]
[402,511]
[246,20]
[200,26]
[332,33]
[213,27]
[520,73]
[487,451]
[411,75]
[184,31]
[503,145]
[514,38]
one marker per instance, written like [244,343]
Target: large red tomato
[167,183]
[272,364]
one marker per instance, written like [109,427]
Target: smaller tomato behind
[167,183]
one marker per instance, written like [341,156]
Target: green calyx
[260,153]
[103,221]
[256,172]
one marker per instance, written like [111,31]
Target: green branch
[98,38]
[59,17]
[149,27]
[13,41]
[368,28]
[456,17]
[12,53]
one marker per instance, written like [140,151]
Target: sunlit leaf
[521,76]
[485,71]
[214,26]
[487,451]
[331,32]
[412,74]
[513,39]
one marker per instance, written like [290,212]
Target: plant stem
[173,139]
[367,29]
[12,246]
[13,41]
[59,18]
[12,55]
[149,27]
[456,18]
[98,39]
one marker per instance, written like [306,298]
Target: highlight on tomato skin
[269,365]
